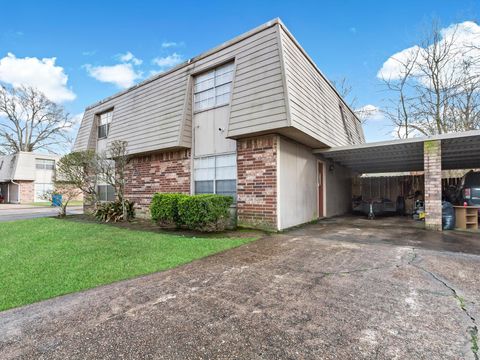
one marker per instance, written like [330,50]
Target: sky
[79,52]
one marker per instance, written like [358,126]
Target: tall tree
[30,121]
[436,86]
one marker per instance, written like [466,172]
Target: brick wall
[257,181]
[433,184]
[162,172]
[27,191]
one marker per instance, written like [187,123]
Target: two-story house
[241,120]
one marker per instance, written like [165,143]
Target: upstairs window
[45,164]
[213,88]
[104,121]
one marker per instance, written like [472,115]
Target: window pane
[110,193]
[205,174]
[224,74]
[205,162]
[103,131]
[204,81]
[204,187]
[227,187]
[102,195]
[226,160]
[106,118]
[50,164]
[226,173]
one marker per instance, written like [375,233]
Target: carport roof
[459,151]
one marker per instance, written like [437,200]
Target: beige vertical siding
[314,104]
[297,184]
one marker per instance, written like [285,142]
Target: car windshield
[472,180]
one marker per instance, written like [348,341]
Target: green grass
[43,258]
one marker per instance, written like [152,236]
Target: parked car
[470,188]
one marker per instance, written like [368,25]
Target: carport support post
[432,155]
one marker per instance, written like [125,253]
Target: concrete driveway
[11,212]
[341,289]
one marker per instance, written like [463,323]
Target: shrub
[164,209]
[113,211]
[196,212]
[204,212]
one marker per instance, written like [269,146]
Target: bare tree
[112,165]
[346,92]
[400,107]
[436,88]
[30,121]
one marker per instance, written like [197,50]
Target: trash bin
[57,200]
[448,216]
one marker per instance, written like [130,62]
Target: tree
[80,170]
[30,121]
[345,90]
[436,86]
[113,163]
[85,170]
[68,191]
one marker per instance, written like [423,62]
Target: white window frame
[106,193]
[108,115]
[44,164]
[216,74]
[215,173]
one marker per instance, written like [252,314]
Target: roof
[21,166]
[459,151]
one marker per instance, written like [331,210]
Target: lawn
[43,258]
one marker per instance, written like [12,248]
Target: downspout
[13,182]
[18,191]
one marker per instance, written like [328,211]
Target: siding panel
[315,107]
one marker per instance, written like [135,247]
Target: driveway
[346,288]
[11,212]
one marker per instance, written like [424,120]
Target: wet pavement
[12,212]
[344,288]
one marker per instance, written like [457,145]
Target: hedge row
[206,212]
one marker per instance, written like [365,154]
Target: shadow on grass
[140,224]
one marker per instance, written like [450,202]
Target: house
[241,119]
[25,177]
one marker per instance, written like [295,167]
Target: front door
[320,189]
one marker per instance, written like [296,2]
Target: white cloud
[167,62]
[466,35]
[121,75]
[128,57]
[169,44]
[42,74]
[369,112]
[74,122]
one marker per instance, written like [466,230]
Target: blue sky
[95,42]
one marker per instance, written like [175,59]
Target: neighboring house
[241,120]
[26,177]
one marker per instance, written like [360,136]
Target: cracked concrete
[340,289]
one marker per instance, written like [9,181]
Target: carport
[428,154]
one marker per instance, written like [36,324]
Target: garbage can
[57,200]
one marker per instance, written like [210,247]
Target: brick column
[257,181]
[432,154]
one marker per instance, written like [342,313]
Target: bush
[196,212]
[164,209]
[113,211]
[205,212]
